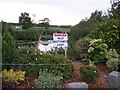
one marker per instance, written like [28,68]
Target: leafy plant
[81,47]
[113,59]
[13,77]
[59,65]
[89,73]
[109,31]
[112,53]
[48,80]
[53,62]
[113,63]
[97,50]
[28,55]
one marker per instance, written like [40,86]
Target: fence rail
[31,64]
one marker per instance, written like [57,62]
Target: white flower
[95,72]
[36,59]
[40,53]
[35,50]
[27,51]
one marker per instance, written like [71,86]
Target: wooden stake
[65,52]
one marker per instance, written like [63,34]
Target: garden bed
[101,81]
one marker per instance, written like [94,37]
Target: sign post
[61,40]
[66,52]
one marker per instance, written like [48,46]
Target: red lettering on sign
[60,34]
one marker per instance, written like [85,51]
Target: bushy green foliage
[86,26]
[113,63]
[97,50]
[12,77]
[109,32]
[64,66]
[78,31]
[33,33]
[112,53]
[28,55]
[8,47]
[53,62]
[89,73]
[28,35]
[113,59]
[81,47]
[48,80]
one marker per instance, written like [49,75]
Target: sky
[60,12]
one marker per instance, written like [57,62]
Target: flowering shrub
[48,80]
[89,73]
[55,63]
[13,77]
[28,55]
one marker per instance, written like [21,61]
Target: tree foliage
[109,32]
[25,20]
[87,25]
[115,10]
[45,23]
[8,47]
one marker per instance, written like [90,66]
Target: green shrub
[113,59]
[55,63]
[81,47]
[48,80]
[64,66]
[112,53]
[8,47]
[97,51]
[113,63]
[13,77]
[89,73]
[28,55]
[31,34]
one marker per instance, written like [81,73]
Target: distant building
[18,27]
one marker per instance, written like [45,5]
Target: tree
[25,20]
[46,23]
[8,47]
[115,10]
[109,28]
[96,16]
[87,25]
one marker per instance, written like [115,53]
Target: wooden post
[65,52]
[56,50]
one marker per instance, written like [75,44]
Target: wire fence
[6,64]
